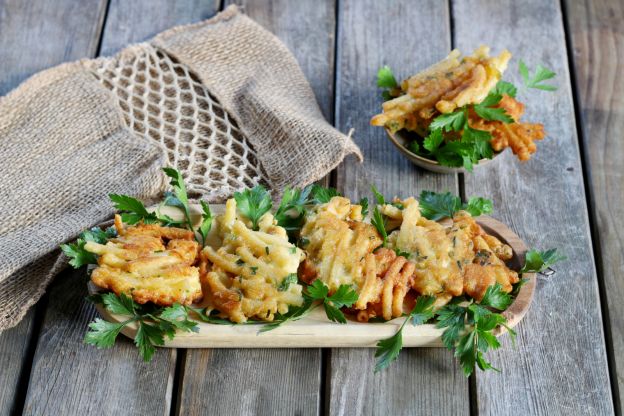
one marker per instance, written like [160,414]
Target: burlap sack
[223,101]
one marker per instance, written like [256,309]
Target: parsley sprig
[388,349]
[253,203]
[76,252]
[154,323]
[540,261]
[387,81]
[435,206]
[315,295]
[468,329]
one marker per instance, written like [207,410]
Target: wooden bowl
[401,140]
[316,331]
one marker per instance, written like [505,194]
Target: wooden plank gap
[101,25]
[24,377]
[178,375]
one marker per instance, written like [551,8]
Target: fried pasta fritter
[520,137]
[451,83]
[150,263]
[422,256]
[252,274]
[340,251]
[451,261]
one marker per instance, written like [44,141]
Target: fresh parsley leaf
[538,261]
[177,316]
[435,206]
[133,210]
[380,224]
[541,74]
[478,206]
[494,297]
[385,78]
[206,224]
[505,88]
[290,213]
[77,254]
[322,195]
[423,310]
[433,141]
[453,318]
[454,121]
[317,290]
[103,334]
[344,296]
[381,200]
[181,197]
[294,313]
[97,235]
[487,111]
[287,281]
[479,141]
[121,304]
[146,338]
[414,147]
[154,323]
[364,204]
[388,349]
[253,203]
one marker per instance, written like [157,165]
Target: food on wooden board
[253,274]
[459,109]
[426,259]
[150,262]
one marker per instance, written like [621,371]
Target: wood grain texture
[371,34]
[35,35]
[14,344]
[69,377]
[84,377]
[308,32]
[39,34]
[559,366]
[307,29]
[597,40]
[138,21]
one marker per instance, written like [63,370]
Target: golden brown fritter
[441,88]
[245,276]
[150,263]
[520,137]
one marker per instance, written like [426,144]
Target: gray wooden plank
[96,376]
[595,33]
[71,378]
[14,345]
[371,34]
[234,381]
[559,366]
[36,35]
[137,21]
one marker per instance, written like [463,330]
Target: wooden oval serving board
[315,330]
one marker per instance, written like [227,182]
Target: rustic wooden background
[569,358]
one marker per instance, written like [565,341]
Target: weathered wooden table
[569,357]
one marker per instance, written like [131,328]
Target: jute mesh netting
[222,100]
[163,101]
